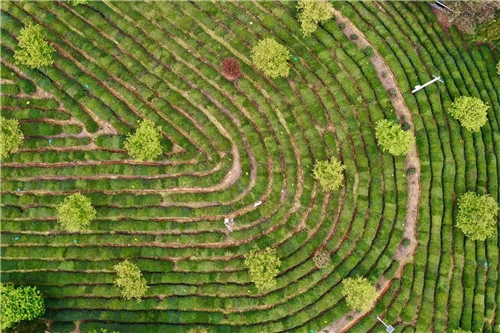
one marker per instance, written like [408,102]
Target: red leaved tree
[231,69]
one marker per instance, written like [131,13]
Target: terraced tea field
[246,150]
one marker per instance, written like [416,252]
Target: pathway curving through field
[404,253]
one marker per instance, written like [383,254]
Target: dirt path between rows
[404,253]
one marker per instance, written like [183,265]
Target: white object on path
[257,204]
[417,87]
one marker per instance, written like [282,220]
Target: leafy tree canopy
[393,138]
[263,266]
[498,68]
[470,112]
[145,143]
[76,213]
[329,174]
[313,12]
[11,137]
[477,215]
[33,51]
[359,293]
[19,304]
[271,57]
[130,280]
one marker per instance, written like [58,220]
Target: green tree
[76,213]
[313,12]
[329,174]
[359,293]
[498,68]
[393,138]
[102,330]
[477,215]
[263,266]
[11,137]
[130,280]
[470,112]
[33,51]
[459,330]
[19,304]
[145,143]
[271,57]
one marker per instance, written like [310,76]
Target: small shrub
[393,92]
[411,171]
[322,258]
[353,36]
[342,26]
[231,69]
[406,127]
[498,68]
[405,242]
[368,51]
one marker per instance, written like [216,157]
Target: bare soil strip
[404,253]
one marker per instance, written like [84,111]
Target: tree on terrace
[33,51]
[359,293]
[271,57]
[231,69]
[393,138]
[329,174]
[470,112]
[11,137]
[75,213]
[145,143]
[19,304]
[313,12]
[477,216]
[130,280]
[263,266]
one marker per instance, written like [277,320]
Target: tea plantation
[242,149]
